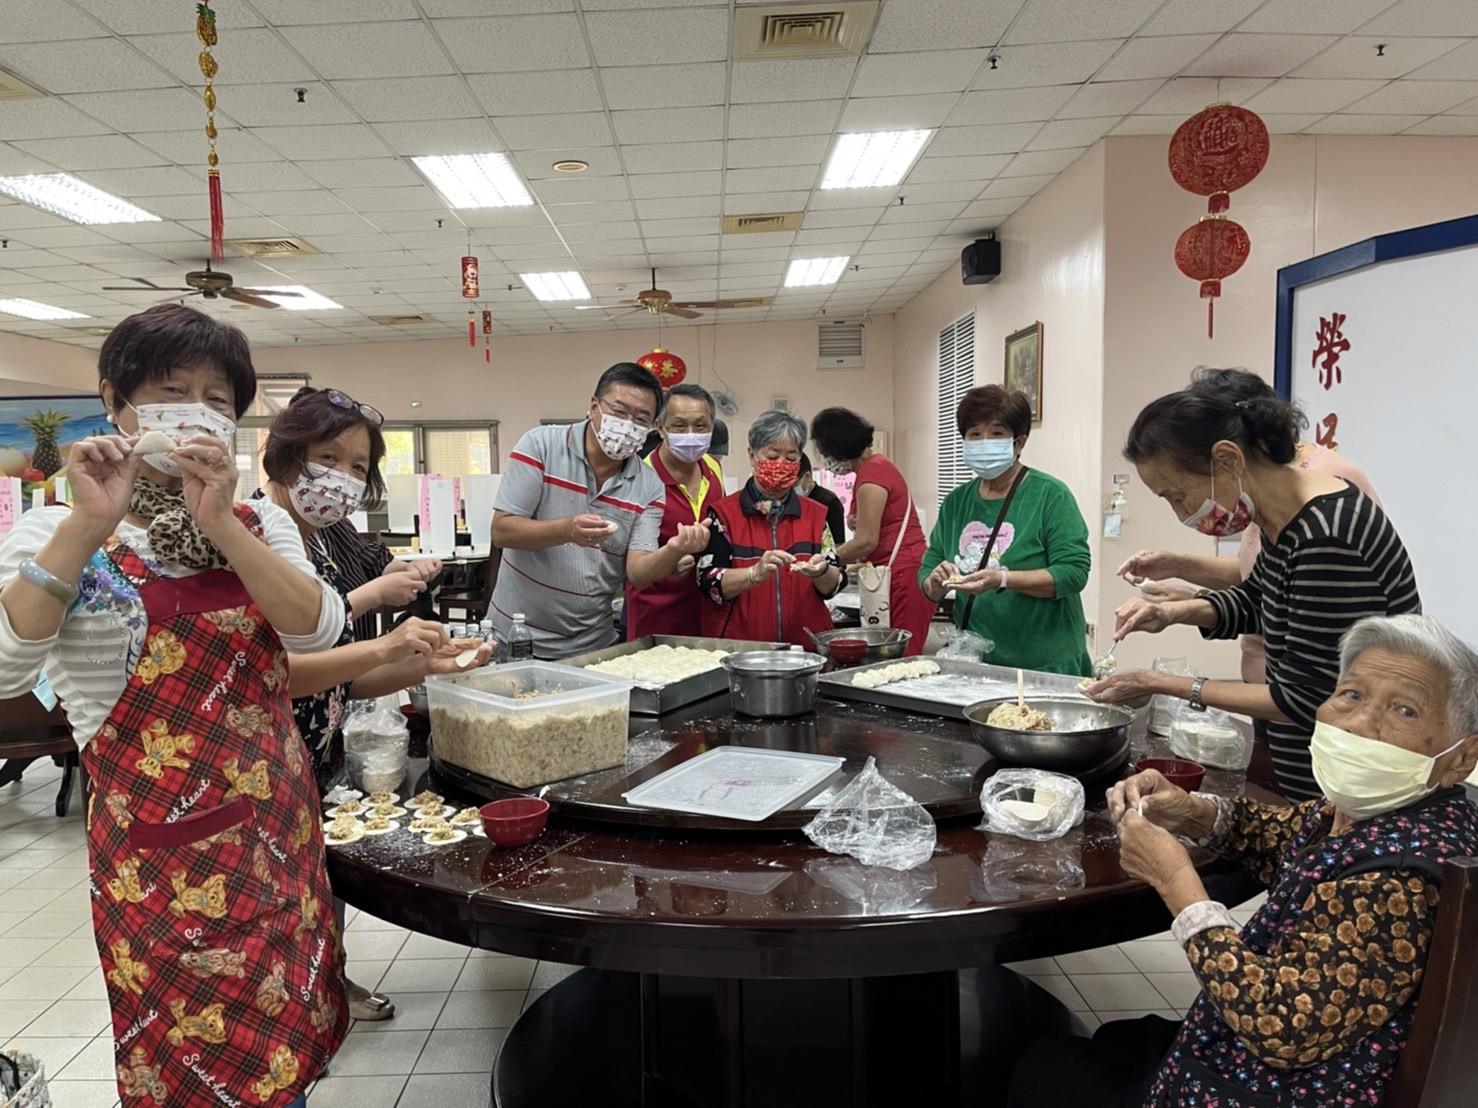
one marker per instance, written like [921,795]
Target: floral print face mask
[323,496]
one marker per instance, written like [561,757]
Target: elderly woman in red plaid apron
[161,612]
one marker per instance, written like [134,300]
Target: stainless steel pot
[773,683]
[1084,737]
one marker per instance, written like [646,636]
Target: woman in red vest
[771,563]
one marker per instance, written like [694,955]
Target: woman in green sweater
[1022,594]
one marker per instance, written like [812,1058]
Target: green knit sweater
[1043,530]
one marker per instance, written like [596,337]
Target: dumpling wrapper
[154,442]
[467,657]
[1026,811]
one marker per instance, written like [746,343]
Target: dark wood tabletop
[673,901]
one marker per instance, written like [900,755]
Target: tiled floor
[452,1004]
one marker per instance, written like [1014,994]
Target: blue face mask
[990,457]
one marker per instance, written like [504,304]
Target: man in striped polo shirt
[577,516]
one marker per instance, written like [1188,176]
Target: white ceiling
[676,135]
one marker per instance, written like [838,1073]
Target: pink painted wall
[551,376]
[30,366]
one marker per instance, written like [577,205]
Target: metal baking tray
[651,700]
[995,681]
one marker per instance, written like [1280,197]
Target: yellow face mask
[1364,777]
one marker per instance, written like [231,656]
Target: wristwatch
[1195,697]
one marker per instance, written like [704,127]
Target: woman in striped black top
[1329,558]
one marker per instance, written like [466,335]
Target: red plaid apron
[210,902]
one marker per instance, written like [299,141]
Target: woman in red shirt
[694,483]
[886,531]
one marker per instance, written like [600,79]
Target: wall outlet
[1092,632]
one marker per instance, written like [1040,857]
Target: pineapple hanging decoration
[205,31]
[45,428]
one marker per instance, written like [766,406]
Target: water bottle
[520,642]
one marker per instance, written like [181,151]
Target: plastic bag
[880,891]
[875,822]
[376,744]
[1160,706]
[1211,738]
[966,645]
[1031,804]
[1016,870]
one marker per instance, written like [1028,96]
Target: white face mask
[689,447]
[181,422]
[1364,777]
[619,438]
[323,496]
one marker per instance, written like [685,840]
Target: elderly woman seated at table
[770,565]
[1311,1001]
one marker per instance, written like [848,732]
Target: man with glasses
[577,515]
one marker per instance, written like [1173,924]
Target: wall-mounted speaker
[980,262]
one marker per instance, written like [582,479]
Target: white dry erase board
[1377,342]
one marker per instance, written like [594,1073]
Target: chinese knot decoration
[487,332]
[667,367]
[470,287]
[205,31]
[1215,151]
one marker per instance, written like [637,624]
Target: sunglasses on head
[338,399]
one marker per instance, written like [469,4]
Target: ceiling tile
[1356,56]
[275,105]
[86,65]
[139,17]
[664,157]
[1421,97]
[1063,133]
[1003,138]
[748,203]
[42,21]
[402,98]
[904,74]
[975,167]
[1050,20]
[773,179]
[1061,63]
[572,190]
[670,125]
[937,193]
[288,12]
[1042,161]
[1187,17]
[676,206]
[871,201]
[306,202]
[855,218]
[998,208]
[255,56]
[1184,96]
[813,117]
[1363,124]
[760,153]
[1460,65]
[365,50]
[1284,124]
[658,37]
[15,161]
[411,199]
[314,143]
[1446,125]
[514,44]
[258,177]
[1014,105]
[1258,55]
[941,25]
[452,136]
[1110,98]
[164,109]
[921,213]
[1469,107]
[1155,57]
[843,239]
[897,113]
[566,90]
[1295,95]
[95,152]
[659,86]
[1315,16]
[361,172]
[48,118]
[1426,17]
[577,235]
[786,80]
[1149,125]
[550,132]
[1003,187]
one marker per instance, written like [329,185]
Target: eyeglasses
[372,416]
[620,411]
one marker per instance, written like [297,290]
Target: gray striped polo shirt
[565,591]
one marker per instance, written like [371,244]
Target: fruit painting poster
[36,437]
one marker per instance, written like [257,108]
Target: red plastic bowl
[1177,771]
[846,652]
[515,821]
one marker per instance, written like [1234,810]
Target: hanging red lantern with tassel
[471,330]
[1210,249]
[667,367]
[470,287]
[205,31]
[487,332]
[1217,150]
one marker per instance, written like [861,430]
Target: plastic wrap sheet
[875,822]
[1031,804]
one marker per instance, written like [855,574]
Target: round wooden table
[745,971]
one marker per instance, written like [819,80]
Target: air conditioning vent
[762,223]
[270,248]
[839,345]
[752,302]
[400,320]
[13,88]
[791,31]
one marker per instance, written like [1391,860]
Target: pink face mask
[1217,521]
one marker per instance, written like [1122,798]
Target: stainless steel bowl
[773,683]
[1084,737]
[883,644]
[417,694]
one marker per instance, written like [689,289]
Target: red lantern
[1217,150]
[469,278]
[668,368]
[1208,250]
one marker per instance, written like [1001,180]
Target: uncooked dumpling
[154,442]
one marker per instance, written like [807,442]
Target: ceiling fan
[209,283]
[660,302]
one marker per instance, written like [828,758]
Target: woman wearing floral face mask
[1012,544]
[1329,557]
[771,561]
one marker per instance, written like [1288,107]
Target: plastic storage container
[529,723]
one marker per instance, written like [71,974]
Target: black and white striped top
[1338,560]
[360,560]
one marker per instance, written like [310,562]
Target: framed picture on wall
[37,434]
[1024,366]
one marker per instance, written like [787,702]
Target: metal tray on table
[658,700]
[929,696]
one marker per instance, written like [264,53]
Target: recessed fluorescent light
[873,160]
[306,301]
[475,180]
[30,309]
[814,271]
[66,196]
[568,285]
